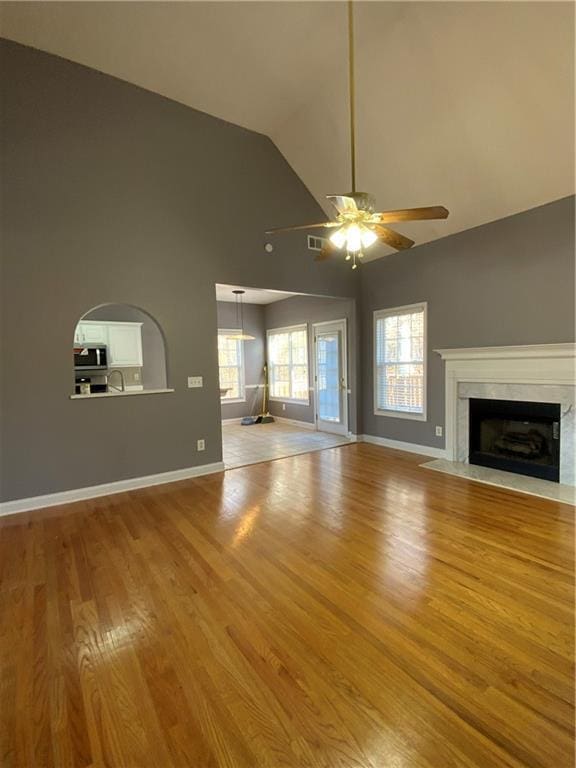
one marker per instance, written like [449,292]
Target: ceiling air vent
[316,243]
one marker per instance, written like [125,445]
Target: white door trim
[342,326]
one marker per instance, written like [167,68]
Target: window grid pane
[231,368]
[399,360]
[288,364]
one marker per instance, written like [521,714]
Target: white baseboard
[281,419]
[93,491]
[399,445]
[295,422]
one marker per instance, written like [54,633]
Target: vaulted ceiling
[465,104]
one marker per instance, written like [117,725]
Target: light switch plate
[195,381]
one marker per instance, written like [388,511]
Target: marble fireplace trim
[540,373]
[537,393]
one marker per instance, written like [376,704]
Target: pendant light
[239,335]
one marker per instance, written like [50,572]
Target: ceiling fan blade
[303,226]
[343,204]
[393,238]
[411,214]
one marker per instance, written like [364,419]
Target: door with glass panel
[330,379]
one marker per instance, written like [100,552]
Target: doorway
[331,377]
[284,382]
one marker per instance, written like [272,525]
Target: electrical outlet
[201,445]
[195,381]
[438,431]
[136,375]
[283,406]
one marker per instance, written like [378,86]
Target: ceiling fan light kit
[359,226]
[354,237]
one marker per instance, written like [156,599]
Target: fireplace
[516,436]
[529,374]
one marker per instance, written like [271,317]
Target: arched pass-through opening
[118,348]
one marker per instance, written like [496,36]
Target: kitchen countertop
[129,393]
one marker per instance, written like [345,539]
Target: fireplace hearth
[516,436]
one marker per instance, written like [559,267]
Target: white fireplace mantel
[540,368]
[524,352]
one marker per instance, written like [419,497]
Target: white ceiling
[465,104]
[251,295]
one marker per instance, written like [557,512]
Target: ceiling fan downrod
[358,225]
[352,95]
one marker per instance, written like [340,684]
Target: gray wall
[113,194]
[508,282]
[308,310]
[254,356]
[153,349]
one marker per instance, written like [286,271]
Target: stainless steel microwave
[90,356]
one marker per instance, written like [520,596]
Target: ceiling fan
[358,225]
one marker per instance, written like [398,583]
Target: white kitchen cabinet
[91,333]
[124,345]
[124,340]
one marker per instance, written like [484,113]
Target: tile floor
[263,442]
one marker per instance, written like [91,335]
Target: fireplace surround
[541,373]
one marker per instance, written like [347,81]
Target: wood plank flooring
[341,609]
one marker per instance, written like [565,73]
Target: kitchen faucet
[122,382]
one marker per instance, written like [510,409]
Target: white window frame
[288,329]
[379,314]
[242,376]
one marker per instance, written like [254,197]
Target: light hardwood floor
[338,609]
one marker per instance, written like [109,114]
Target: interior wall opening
[287,378]
[118,349]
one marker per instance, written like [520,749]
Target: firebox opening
[516,436]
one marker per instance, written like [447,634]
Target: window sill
[402,415]
[232,400]
[287,400]
[95,395]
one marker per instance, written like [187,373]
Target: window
[288,364]
[231,363]
[400,362]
